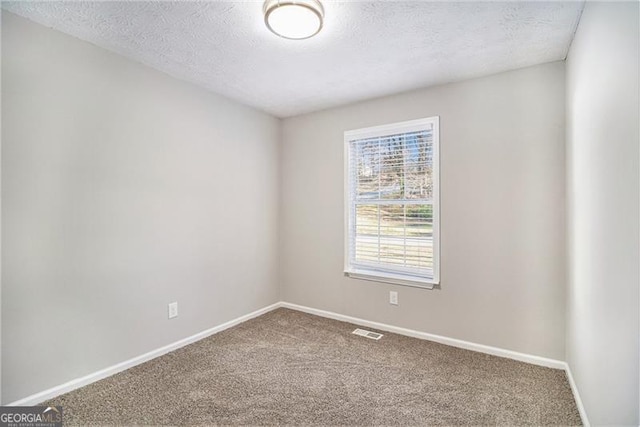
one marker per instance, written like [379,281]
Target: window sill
[394,279]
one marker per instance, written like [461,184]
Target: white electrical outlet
[173,310]
[393,297]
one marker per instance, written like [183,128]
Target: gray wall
[123,190]
[502,210]
[603,189]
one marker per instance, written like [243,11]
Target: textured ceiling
[366,49]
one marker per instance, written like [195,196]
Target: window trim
[381,276]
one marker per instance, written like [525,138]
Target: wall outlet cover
[393,297]
[173,310]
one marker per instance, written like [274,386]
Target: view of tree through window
[392,202]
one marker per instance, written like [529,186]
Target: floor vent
[367,334]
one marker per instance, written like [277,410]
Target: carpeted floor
[287,367]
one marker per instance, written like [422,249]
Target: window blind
[391,202]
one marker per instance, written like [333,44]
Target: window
[392,203]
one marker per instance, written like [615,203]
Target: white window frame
[379,131]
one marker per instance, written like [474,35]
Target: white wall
[603,199]
[502,210]
[123,190]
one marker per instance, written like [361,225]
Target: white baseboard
[37,398]
[509,354]
[576,396]
[107,372]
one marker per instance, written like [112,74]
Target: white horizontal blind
[391,201]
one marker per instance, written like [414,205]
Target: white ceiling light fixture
[294,19]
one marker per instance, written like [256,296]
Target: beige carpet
[287,367]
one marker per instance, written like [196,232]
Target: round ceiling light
[294,19]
